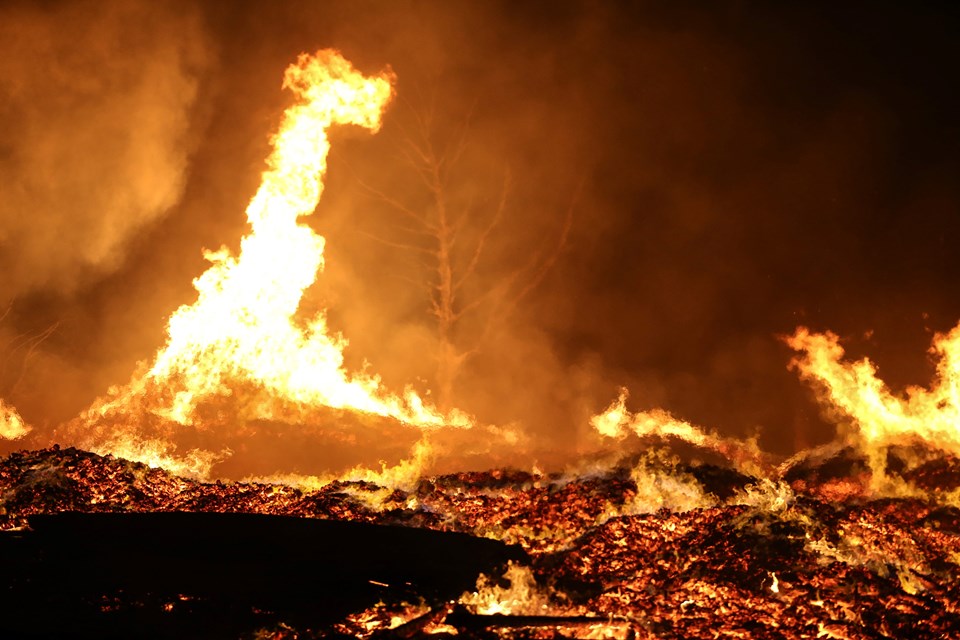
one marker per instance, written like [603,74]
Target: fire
[522,596]
[243,331]
[879,417]
[12,426]
[618,422]
[404,476]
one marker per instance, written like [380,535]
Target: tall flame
[880,418]
[242,329]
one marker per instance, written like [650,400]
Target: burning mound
[651,547]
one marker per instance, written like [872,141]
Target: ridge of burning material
[775,558]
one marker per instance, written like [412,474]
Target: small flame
[522,596]
[12,426]
[404,475]
[618,422]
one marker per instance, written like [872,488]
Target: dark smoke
[743,168]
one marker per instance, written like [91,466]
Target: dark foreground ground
[647,548]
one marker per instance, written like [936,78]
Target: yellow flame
[517,593]
[522,595]
[157,453]
[659,488]
[879,417]
[12,426]
[242,328]
[618,422]
[404,475]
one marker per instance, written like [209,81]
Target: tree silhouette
[16,353]
[452,236]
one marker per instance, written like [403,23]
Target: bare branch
[502,311]
[469,353]
[419,284]
[394,203]
[461,219]
[426,233]
[551,259]
[432,156]
[482,241]
[420,144]
[423,115]
[399,206]
[435,306]
[32,344]
[399,245]
[418,155]
[456,149]
[497,291]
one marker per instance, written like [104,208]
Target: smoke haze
[734,171]
[94,144]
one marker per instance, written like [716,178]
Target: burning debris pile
[125,533]
[594,553]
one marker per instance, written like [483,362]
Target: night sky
[735,169]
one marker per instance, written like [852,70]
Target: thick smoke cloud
[94,147]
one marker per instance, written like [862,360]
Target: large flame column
[242,335]
[241,325]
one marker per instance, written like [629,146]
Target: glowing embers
[854,569]
[240,352]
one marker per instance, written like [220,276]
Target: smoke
[95,146]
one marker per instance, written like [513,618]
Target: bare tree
[16,353]
[453,238]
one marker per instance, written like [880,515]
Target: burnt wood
[209,575]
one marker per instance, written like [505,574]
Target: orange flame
[879,417]
[242,329]
[12,426]
[619,422]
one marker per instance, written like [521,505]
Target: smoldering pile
[649,547]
